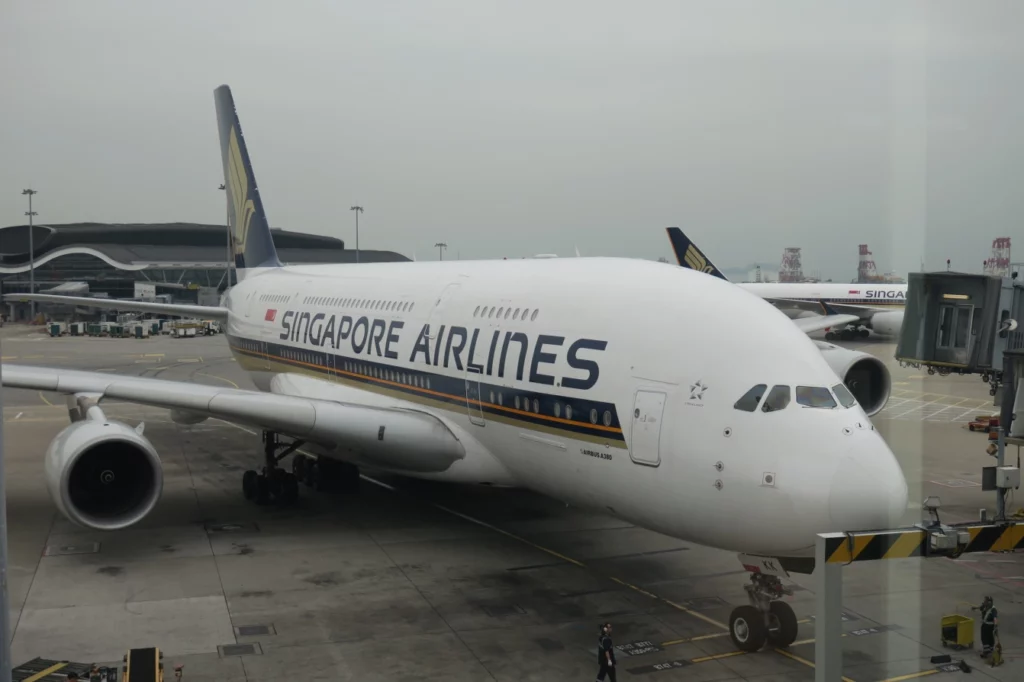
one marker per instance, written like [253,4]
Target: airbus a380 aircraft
[848,310]
[575,378]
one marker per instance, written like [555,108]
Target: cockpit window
[815,396]
[777,399]
[750,399]
[846,398]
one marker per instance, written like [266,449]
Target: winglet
[689,256]
[251,241]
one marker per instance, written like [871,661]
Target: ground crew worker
[605,654]
[989,621]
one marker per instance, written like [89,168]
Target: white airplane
[576,378]
[846,310]
[864,374]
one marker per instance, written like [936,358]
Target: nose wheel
[766,620]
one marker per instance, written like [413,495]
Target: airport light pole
[358,210]
[31,252]
[441,246]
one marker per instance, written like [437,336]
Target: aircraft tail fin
[252,245]
[689,256]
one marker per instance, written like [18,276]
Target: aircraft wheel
[249,484]
[312,473]
[262,490]
[747,629]
[348,478]
[864,333]
[830,336]
[299,465]
[289,493]
[782,625]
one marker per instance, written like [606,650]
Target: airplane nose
[868,491]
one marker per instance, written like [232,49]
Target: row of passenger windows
[275,298]
[807,396]
[524,403]
[527,405]
[502,312]
[361,303]
[407,378]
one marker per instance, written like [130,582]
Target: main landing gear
[766,620]
[847,334]
[274,484]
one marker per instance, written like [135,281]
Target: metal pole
[441,246]
[828,618]
[31,254]
[358,210]
[5,626]
[1009,398]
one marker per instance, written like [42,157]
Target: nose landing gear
[766,620]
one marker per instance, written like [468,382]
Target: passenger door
[645,433]
[474,398]
[955,335]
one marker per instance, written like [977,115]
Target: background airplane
[648,407]
[845,310]
[864,374]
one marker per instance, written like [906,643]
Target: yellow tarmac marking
[715,657]
[189,360]
[911,676]
[8,357]
[147,360]
[43,398]
[214,376]
[152,355]
[698,638]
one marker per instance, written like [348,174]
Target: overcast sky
[516,128]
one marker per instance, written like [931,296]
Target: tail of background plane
[689,256]
[252,245]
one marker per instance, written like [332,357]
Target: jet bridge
[962,323]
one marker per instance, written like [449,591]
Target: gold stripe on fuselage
[254,361]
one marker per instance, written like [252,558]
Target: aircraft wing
[862,312]
[395,438]
[175,309]
[816,324]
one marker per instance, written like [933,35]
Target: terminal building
[171,262]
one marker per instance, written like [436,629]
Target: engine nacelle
[103,474]
[865,375]
[887,323]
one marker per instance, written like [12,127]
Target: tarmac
[415,581]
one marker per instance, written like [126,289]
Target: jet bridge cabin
[957,322]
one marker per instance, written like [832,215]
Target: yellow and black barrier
[846,548]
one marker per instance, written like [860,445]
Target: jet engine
[865,375]
[887,323]
[103,474]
